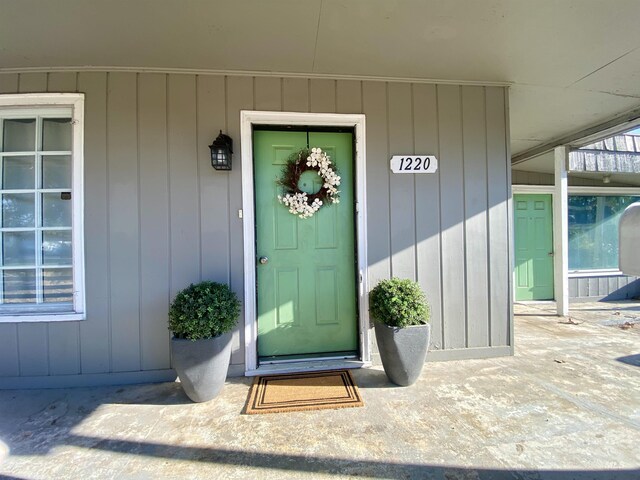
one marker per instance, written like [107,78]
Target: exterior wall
[158,217]
[618,287]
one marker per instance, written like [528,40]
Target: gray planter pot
[202,365]
[403,351]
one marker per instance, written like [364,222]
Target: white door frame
[249,118]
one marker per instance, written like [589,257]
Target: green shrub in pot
[401,313]
[203,310]
[399,303]
[201,318]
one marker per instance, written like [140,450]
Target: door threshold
[306,366]
[304,358]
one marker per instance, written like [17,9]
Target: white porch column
[561,232]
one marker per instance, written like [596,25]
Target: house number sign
[414,164]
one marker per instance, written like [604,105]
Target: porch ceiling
[571,64]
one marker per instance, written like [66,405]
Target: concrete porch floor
[566,406]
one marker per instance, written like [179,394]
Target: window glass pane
[56,247]
[18,248]
[56,212]
[56,171]
[18,172]
[19,286]
[593,230]
[56,134]
[19,135]
[18,210]
[57,284]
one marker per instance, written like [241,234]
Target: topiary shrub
[203,310]
[399,303]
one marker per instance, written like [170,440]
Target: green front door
[533,247]
[307,288]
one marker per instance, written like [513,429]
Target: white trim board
[604,191]
[248,118]
[595,273]
[532,189]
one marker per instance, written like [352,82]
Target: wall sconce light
[221,152]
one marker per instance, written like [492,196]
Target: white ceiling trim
[253,73]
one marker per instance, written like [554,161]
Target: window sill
[43,317]
[596,273]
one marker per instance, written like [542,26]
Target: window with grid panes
[39,271]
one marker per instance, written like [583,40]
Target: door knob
[263,260]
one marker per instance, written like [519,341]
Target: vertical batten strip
[427,194]
[374,107]
[138,188]
[95,331]
[198,173]
[268,93]
[9,83]
[183,177]
[488,227]
[452,205]
[440,222]
[475,187]
[214,220]
[322,96]
[123,221]
[154,221]
[497,173]
[401,185]
[348,96]
[295,96]
[415,180]
[227,179]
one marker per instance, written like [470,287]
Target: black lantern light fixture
[221,150]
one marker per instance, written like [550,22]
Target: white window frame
[73,102]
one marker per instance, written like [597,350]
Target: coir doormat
[303,391]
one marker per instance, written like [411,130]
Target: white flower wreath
[300,203]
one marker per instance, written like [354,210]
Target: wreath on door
[304,204]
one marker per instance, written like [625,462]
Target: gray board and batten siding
[158,217]
[606,287]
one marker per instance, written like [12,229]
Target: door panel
[533,247]
[307,289]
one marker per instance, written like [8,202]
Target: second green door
[533,247]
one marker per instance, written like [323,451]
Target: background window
[593,230]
